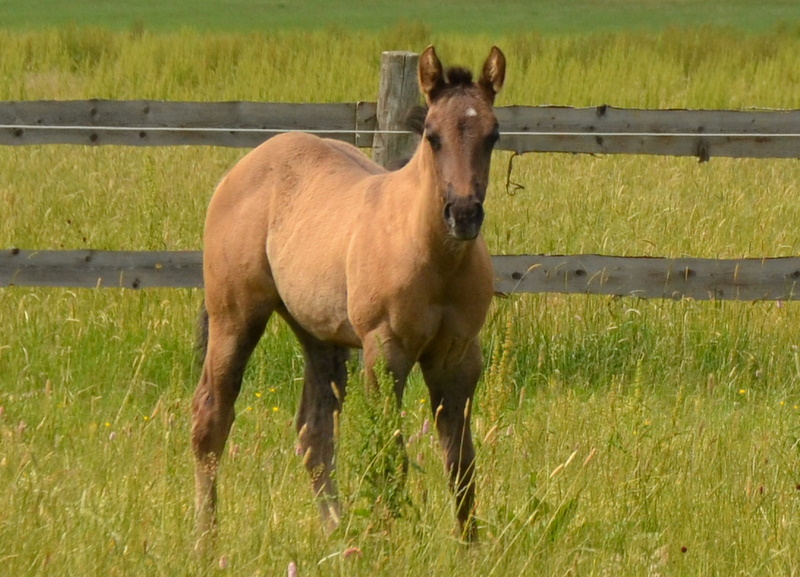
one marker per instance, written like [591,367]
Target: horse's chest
[415,308]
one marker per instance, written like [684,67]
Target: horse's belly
[324,317]
[315,296]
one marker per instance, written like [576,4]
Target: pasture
[504,16]
[614,436]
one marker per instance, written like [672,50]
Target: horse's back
[291,165]
[288,182]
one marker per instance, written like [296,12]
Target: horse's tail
[201,337]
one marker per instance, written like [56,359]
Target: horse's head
[460,132]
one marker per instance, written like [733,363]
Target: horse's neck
[424,219]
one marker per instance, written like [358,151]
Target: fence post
[398,93]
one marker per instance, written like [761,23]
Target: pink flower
[350,551]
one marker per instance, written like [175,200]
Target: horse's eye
[434,141]
[493,137]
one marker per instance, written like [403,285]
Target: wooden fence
[597,130]
[700,279]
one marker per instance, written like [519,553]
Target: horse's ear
[494,73]
[430,75]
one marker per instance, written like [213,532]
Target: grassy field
[615,436]
[499,17]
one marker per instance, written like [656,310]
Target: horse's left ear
[494,73]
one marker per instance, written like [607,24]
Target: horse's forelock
[458,76]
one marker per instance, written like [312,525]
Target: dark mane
[458,76]
[415,120]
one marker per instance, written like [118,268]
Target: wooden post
[398,93]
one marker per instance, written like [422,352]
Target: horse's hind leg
[232,336]
[452,386]
[324,388]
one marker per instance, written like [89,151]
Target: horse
[351,255]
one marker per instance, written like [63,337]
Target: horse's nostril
[448,210]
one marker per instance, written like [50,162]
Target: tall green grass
[695,67]
[615,436]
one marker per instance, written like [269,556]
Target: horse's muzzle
[464,217]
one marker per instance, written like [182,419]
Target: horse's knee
[316,424]
[316,431]
[209,435]
[460,465]
[456,442]
[212,419]
[317,405]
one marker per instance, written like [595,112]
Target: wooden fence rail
[596,130]
[699,279]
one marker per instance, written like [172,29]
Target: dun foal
[353,256]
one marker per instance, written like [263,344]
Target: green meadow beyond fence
[380,126]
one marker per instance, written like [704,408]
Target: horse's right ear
[431,75]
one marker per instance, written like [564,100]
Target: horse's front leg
[384,353]
[451,383]
[384,356]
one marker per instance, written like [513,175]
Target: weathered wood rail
[597,130]
[695,278]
